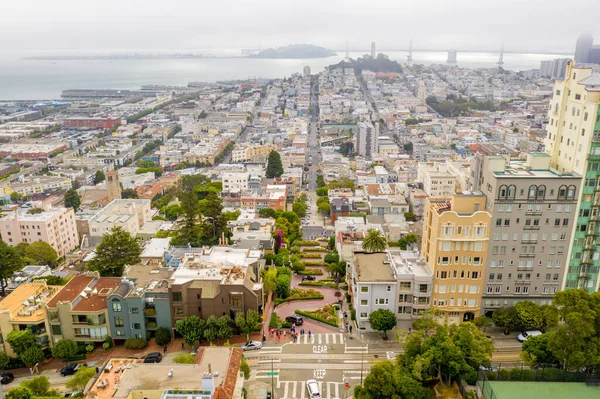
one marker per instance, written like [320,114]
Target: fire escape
[592,232]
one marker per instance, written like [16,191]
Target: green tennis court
[543,390]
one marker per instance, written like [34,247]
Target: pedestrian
[308,333]
[182,345]
[283,333]
[350,329]
[165,349]
[346,326]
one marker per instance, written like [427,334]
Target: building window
[364,302]
[116,305]
[178,311]
[381,301]
[118,321]
[56,329]
[363,315]
[135,310]
[364,289]
[177,297]
[120,333]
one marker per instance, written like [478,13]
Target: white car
[252,345]
[312,386]
[524,335]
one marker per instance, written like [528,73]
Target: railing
[526,255]
[529,241]
[531,227]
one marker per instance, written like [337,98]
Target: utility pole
[272,380]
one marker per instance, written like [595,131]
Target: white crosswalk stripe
[321,339]
[357,349]
[297,389]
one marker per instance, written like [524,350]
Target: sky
[87,26]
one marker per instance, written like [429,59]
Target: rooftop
[409,262]
[26,302]
[146,279]
[373,267]
[156,248]
[22,215]
[86,292]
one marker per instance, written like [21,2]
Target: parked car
[252,345]
[308,278]
[6,378]
[526,334]
[154,357]
[295,319]
[70,369]
[313,389]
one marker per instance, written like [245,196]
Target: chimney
[209,368]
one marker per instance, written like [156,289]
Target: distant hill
[295,51]
[380,64]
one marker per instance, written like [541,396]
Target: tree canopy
[387,380]
[72,199]
[247,322]
[274,165]
[64,350]
[42,253]
[10,262]
[382,320]
[374,241]
[191,327]
[116,250]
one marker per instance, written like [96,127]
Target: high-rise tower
[573,142]
[373,50]
[501,59]
[113,186]
[582,48]
[409,57]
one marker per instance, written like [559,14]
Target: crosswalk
[297,389]
[321,339]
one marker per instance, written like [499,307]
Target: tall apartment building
[573,143]
[531,230]
[130,214]
[582,48]
[55,226]
[235,183]
[439,181]
[367,139]
[455,244]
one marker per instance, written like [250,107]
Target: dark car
[6,378]
[308,278]
[153,357]
[294,319]
[70,369]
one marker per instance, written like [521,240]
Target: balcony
[531,227]
[528,241]
[151,325]
[150,312]
[533,213]
[526,255]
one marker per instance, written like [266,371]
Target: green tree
[81,378]
[65,350]
[410,238]
[374,241]
[224,330]
[116,250]
[529,316]
[324,209]
[184,358]
[282,286]
[536,352]
[248,322]
[322,192]
[21,340]
[549,317]
[245,368]
[269,280]
[52,280]
[382,320]
[482,322]
[505,318]
[42,253]
[390,381]
[99,177]
[211,331]
[10,262]
[4,361]
[129,193]
[163,336]
[267,213]
[19,392]
[274,165]
[16,197]
[408,147]
[303,197]
[410,217]
[39,386]
[332,257]
[320,181]
[299,208]
[72,199]
[32,355]
[172,212]
[192,328]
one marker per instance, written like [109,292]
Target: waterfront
[33,79]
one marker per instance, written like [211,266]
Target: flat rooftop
[27,301]
[86,293]
[541,390]
[370,267]
[409,262]
[147,279]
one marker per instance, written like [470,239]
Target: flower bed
[305,255]
[299,294]
[277,321]
[315,249]
[327,314]
[310,272]
[329,284]
[303,243]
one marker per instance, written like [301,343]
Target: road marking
[391,355]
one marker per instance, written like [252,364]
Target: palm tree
[374,241]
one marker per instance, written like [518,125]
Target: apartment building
[25,308]
[39,185]
[216,281]
[531,230]
[79,311]
[455,244]
[235,183]
[55,226]
[367,139]
[130,214]
[573,143]
[438,180]
[136,311]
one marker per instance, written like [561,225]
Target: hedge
[313,249]
[310,256]
[135,343]
[303,243]
[312,316]
[275,320]
[279,301]
[310,272]
[319,284]
[543,374]
[315,263]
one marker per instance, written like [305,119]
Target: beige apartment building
[130,214]
[56,226]
[454,244]
[25,308]
[533,211]
[79,311]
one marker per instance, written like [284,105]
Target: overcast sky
[127,25]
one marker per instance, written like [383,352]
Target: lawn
[542,390]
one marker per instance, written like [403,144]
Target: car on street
[526,334]
[252,346]
[70,369]
[6,378]
[154,357]
[308,278]
[313,389]
[295,319]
